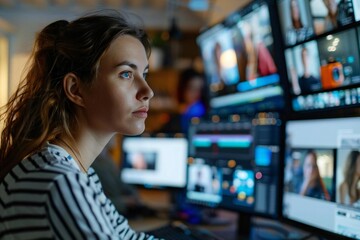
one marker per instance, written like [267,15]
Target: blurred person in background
[191,100]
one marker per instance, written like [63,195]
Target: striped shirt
[46,196]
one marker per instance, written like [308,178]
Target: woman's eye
[126,74]
[145,75]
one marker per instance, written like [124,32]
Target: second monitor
[158,162]
[235,164]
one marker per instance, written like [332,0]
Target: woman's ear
[72,88]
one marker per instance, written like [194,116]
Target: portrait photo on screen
[303,68]
[296,21]
[331,14]
[220,60]
[140,160]
[348,177]
[309,172]
[339,59]
[258,43]
[204,178]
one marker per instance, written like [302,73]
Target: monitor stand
[140,211]
[244,224]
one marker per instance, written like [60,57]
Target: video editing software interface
[321,174]
[322,52]
[235,164]
[155,161]
[240,61]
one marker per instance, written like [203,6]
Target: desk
[162,201]
[227,231]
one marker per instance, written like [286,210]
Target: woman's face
[118,100]
[310,167]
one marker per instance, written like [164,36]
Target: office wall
[22,25]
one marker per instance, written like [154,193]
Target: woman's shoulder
[45,166]
[51,159]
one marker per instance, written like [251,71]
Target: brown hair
[39,110]
[350,171]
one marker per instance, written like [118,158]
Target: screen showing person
[295,20]
[239,61]
[331,14]
[310,173]
[348,177]
[339,59]
[328,148]
[258,41]
[140,160]
[219,59]
[303,68]
[151,162]
[203,181]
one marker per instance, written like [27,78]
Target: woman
[191,99]
[86,82]
[298,31]
[349,189]
[331,21]
[313,185]
[190,96]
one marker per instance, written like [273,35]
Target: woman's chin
[135,131]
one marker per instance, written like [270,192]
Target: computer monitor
[154,161]
[321,175]
[322,61]
[241,61]
[234,164]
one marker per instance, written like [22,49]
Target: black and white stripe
[47,197]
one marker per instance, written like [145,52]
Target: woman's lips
[141,113]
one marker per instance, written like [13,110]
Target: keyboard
[179,231]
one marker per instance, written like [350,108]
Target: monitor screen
[239,62]
[322,64]
[155,161]
[321,174]
[332,14]
[296,21]
[235,164]
[301,20]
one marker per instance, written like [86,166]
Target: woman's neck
[84,149]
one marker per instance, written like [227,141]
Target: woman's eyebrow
[127,63]
[130,64]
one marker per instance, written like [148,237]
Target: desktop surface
[262,229]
